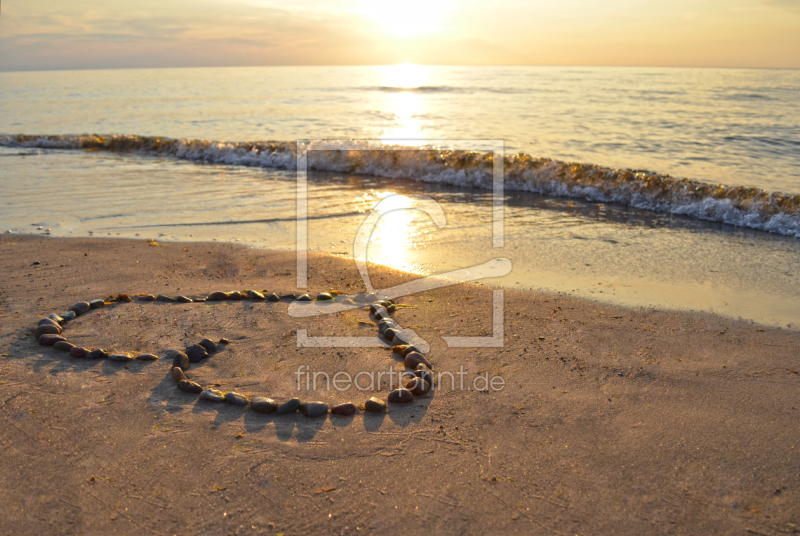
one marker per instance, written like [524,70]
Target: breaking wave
[740,206]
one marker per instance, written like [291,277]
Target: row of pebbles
[264,295]
[418,381]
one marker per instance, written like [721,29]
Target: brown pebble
[184,299]
[181,360]
[410,348]
[209,345]
[64,346]
[390,334]
[178,374]
[400,396]
[217,296]
[97,353]
[48,329]
[236,399]
[261,404]
[146,297]
[417,386]
[196,353]
[50,339]
[375,405]
[345,410]
[120,357]
[81,308]
[425,373]
[414,359]
[235,295]
[79,352]
[147,357]
[49,321]
[190,387]
[223,340]
[314,409]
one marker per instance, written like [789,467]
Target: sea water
[672,188]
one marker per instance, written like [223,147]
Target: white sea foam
[746,207]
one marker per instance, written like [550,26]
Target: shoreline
[689,297]
[611,420]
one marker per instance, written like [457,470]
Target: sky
[90,34]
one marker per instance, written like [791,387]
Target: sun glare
[409,18]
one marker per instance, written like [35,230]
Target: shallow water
[601,251]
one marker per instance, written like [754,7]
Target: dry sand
[617,422]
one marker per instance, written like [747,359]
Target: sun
[407,18]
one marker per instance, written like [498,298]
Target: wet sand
[611,421]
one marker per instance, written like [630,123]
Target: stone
[414,359]
[236,399]
[324,296]
[81,308]
[378,310]
[49,339]
[178,374]
[425,373]
[410,348]
[417,386]
[147,357]
[289,406]
[385,324]
[196,353]
[314,409]
[345,410]
[390,334]
[217,296]
[188,386]
[181,360]
[212,395]
[120,357]
[96,304]
[304,298]
[57,319]
[262,404]
[48,329]
[79,352]
[273,297]
[64,346]
[400,396]
[184,299]
[291,296]
[235,295]
[223,340]
[97,353]
[375,405]
[49,321]
[255,295]
[209,345]
[146,298]
[168,299]
[69,315]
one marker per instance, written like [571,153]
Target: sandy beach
[611,420]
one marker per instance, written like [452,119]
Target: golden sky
[69,34]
